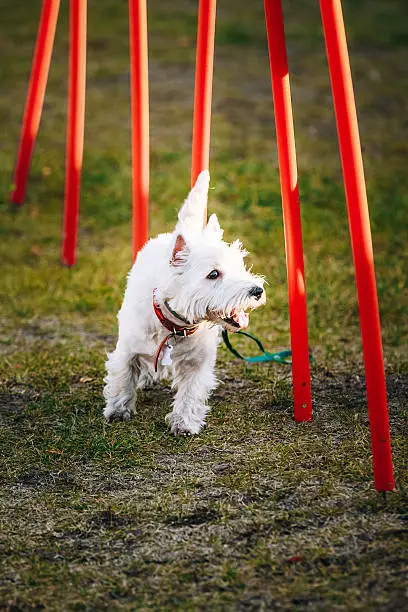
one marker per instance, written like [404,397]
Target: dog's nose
[256,292]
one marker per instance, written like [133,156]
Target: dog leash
[279,357]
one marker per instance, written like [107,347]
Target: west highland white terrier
[181,289]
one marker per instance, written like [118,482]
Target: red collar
[184,329]
[178,329]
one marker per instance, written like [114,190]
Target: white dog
[181,289]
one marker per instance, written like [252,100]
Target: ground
[258,512]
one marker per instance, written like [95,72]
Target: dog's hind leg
[121,381]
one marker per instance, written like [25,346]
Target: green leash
[279,357]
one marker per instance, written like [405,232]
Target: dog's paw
[117,413]
[181,427]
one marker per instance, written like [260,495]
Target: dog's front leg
[194,380]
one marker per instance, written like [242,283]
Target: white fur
[181,279]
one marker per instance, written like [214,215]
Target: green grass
[256,513]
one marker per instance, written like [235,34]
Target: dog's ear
[213,227]
[179,251]
[191,215]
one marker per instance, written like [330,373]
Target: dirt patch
[199,517]
[11,404]
[111,520]
[40,480]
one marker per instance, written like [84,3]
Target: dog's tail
[191,215]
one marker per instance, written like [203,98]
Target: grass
[256,513]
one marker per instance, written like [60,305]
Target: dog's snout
[256,292]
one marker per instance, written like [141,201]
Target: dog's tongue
[241,318]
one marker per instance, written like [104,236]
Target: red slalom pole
[203,89]
[35,96]
[75,127]
[291,210]
[356,196]
[139,86]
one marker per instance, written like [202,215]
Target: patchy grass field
[257,513]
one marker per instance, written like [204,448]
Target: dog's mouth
[235,319]
[238,319]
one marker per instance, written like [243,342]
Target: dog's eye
[213,274]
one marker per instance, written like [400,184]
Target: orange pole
[139,78]
[35,96]
[75,128]
[359,222]
[203,89]
[291,210]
